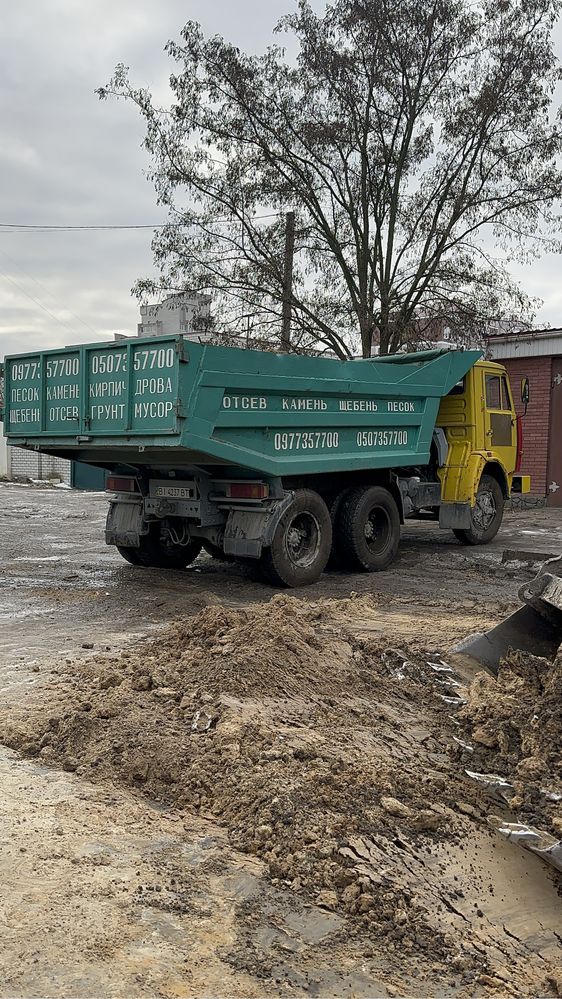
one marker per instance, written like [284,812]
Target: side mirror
[525,394]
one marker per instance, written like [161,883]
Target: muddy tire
[368,529]
[130,555]
[215,551]
[487,514]
[301,544]
[156,554]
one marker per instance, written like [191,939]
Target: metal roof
[542,343]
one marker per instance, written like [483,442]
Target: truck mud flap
[247,532]
[455,516]
[125,524]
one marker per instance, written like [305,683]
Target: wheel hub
[302,539]
[376,528]
[294,537]
[485,510]
[370,530]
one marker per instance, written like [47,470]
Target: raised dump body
[289,459]
[187,403]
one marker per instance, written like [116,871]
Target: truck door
[499,419]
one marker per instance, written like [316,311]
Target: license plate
[175,492]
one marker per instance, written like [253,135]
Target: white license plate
[175,492]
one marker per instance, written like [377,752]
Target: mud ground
[118,886]
[61,586]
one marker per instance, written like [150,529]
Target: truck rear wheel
[301,544]
[157,554]
[215,551]
[487,513]
[368,529]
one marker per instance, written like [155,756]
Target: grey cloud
[66,158]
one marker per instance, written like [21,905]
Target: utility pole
[243,223]
[288,281]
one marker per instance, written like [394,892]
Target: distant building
[536,355]
[182,313]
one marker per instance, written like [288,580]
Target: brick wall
[31,465]
[536,424]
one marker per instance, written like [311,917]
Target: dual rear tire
[360,532]
[155,553]
[367,529]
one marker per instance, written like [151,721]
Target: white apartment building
[176,314]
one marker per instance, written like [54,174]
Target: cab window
[493,392]
[506,398]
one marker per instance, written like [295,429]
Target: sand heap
[323,753]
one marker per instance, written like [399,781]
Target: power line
[40,227]
[61,322]
[43,288]
[81,228]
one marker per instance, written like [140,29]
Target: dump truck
[298,462]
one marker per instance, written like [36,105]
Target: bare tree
[415,140]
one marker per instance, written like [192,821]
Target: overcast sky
[67,159]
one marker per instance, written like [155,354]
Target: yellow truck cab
[483,451]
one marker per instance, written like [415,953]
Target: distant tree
[416,140]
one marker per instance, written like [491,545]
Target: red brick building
[537,355]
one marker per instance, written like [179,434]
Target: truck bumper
[521,483]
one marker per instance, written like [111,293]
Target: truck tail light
[121,484]
[519,427]
[247,490]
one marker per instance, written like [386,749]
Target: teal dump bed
[167,402]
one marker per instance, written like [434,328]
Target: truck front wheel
[486,514]
[368,529]
[301,543]
[155,553]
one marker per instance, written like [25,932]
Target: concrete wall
[3,454]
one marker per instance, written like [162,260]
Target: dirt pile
[270,649]
[515,724]
[323,753]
